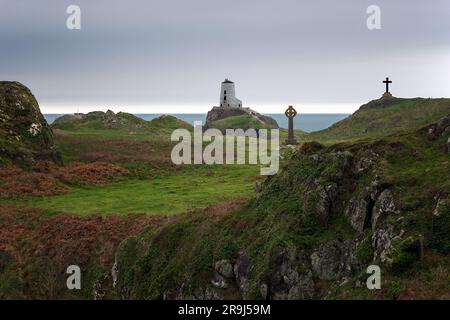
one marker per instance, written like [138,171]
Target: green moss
[404,253]
[440,238]
[11,286]
[364,251]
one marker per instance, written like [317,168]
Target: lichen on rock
[25,135]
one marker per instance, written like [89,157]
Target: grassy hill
[110,125]
[243,122]
[383,117]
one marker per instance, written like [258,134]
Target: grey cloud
[147,52]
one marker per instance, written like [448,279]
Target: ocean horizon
[307,122]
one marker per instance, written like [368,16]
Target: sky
[147,56]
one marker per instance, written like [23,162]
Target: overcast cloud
[170,56]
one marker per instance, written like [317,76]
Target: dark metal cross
[387,81]
[290,114]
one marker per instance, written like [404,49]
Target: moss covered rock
[238,118]
[24,133]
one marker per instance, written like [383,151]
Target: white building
[227,95]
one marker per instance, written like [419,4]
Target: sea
[306,122]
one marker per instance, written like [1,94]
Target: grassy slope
[155,185]
[380,118]
[243,121]
[185,189]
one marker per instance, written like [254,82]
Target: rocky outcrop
[334,260]
[223,273]
[24,133]
[254,118]
[241,271]
[318,200]
[440,128]
[291,277]
[369,212]
[360,208]
[384,207]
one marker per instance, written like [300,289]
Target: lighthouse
[227,95]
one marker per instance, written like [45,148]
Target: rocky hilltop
[238,118]
[25,135]
[98,120]
[107,120]
[385,116]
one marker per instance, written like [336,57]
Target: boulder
[382,242]
[327,196]
[224,268]
[359,209]
[291,277]
[334,260]
[318,200]
[24,133]
[384,206]
[241,271]
[223,273]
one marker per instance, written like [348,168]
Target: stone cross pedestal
[290,114]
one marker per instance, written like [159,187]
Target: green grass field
[188,188]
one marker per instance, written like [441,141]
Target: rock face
[440,129]
[239,118]
[448,145]
[223,273]
[334,259]
[241,269]
[24,133]
[291,278]
[359,209]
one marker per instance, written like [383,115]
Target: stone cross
[290,114]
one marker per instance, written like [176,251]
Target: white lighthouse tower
[227,95]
